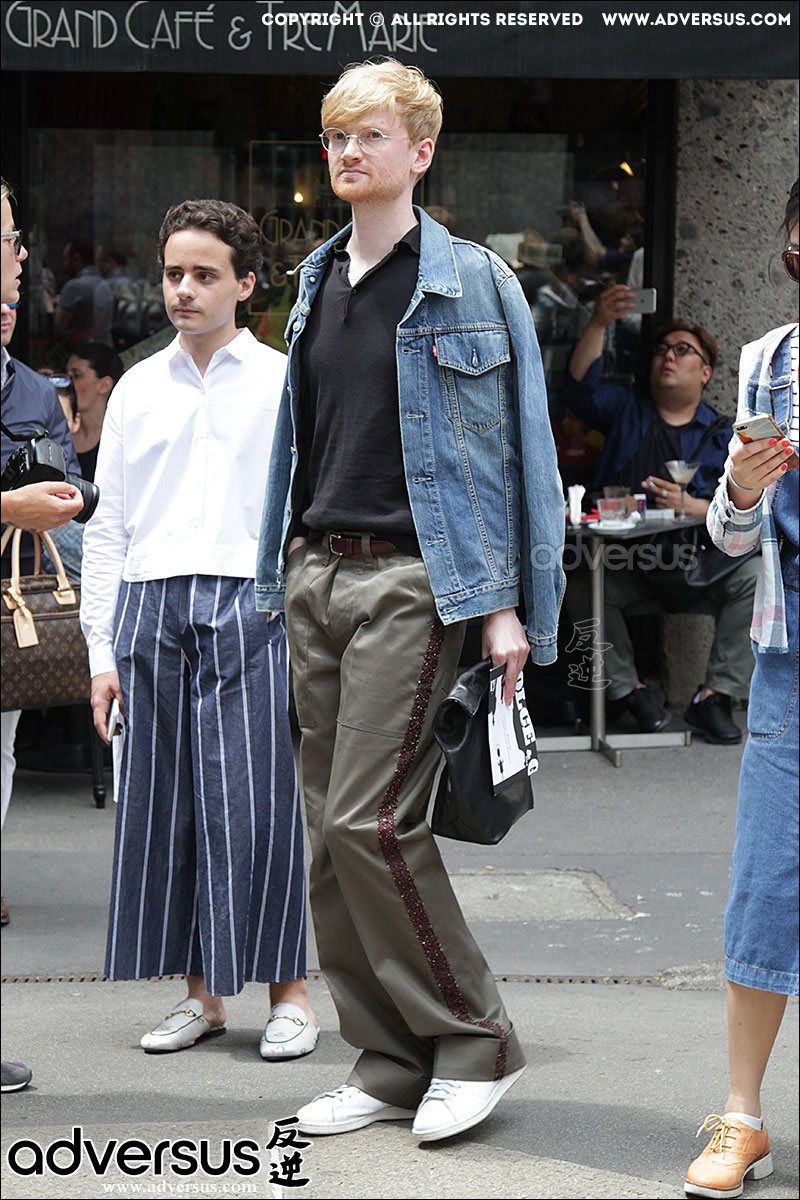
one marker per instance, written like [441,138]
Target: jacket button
[297,326]
[312,279]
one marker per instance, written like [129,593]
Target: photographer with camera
[32,461]
[28,400]
[34,497]
[35,506]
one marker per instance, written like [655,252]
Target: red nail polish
[784,467]
[773,441]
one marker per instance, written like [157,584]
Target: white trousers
[8,732]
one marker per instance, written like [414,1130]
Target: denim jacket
[765,386]
[480,462]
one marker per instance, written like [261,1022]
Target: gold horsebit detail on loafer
[283,1017]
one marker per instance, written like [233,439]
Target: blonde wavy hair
[404,91]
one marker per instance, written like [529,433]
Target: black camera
[38,460]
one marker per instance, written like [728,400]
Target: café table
[612,744]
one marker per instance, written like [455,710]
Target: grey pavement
[601,915]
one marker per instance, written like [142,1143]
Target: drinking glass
[682,473]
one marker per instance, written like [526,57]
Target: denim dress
[761,917]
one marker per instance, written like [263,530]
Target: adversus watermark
[642,556]
[588,673]
[169,1158]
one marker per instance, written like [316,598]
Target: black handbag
[465,807]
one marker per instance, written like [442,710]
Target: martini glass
[682,473]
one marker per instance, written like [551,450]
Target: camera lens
[91,494]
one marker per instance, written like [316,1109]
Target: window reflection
[568,216]
[550,174]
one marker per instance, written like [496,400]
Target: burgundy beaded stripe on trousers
[403,879]
[371,662]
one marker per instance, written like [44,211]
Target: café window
[551,174]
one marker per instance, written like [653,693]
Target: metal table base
[611,745]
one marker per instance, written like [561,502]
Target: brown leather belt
[355,547]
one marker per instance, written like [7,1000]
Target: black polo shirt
[353,478]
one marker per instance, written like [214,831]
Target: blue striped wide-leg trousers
[208,875]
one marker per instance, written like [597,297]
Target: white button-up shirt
[182,471]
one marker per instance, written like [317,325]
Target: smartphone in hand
[643,300]
[756,429]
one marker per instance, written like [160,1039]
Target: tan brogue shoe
[734,1152]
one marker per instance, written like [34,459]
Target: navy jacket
[624,414]
[28,402]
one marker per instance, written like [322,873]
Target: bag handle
[64,593]
[22,617]
[24,625]
[715,425]
[37,548]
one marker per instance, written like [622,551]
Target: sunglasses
[790,262]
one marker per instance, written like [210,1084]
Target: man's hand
[663,493]
[503,640]
[105,688]
[40,506]
[612,304]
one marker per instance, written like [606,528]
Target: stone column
[737,160]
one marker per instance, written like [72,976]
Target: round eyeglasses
[15,237]
[369,140]
[679,349]
[790,259]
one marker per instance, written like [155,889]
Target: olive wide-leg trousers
[371,661]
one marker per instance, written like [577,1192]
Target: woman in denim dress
[757,498]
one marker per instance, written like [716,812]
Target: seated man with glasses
[644,430]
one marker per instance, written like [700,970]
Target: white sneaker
[346,1109]
[452,1105]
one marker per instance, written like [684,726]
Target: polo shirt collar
[408,242]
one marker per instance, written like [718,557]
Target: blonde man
[412,472]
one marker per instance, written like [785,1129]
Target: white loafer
[288,1033]
[180,1029]
[346,1109]
[452,1105]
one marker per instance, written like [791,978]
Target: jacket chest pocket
[473,366]
[780,396]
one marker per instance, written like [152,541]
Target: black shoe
[650,714]
[712,718]
[16,1076]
